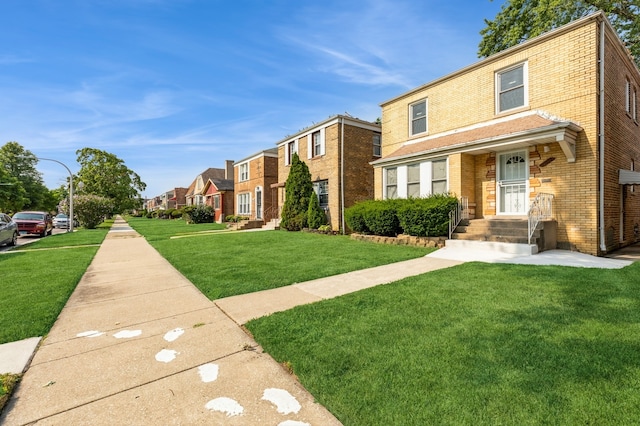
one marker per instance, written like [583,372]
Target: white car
[61,221]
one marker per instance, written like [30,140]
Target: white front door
[258,203]
[513,174]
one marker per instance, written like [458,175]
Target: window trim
[377,152]
[446,175]
[289,148]
[317,186]
[411,183]
[426,117]
[216,202]
[525,85]
[242,204]
[386,182]
[243,172]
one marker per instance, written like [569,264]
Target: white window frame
[386,183]
[446,175]
[316,147]
[216,202]
[289,148]
[243,172]
[424,101]
[524,86]
[627,96]
[413,183]
[317,187]
[377,145]
[634,105]
[244,204]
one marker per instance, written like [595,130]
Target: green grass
[232,263]
[78,238]
[160,229]
[36,286]
[475,344]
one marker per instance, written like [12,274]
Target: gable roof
[525,129]
[220,184]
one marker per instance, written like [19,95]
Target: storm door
[512,183]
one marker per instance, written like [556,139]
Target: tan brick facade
[257,187]
[355,171]
[562,82]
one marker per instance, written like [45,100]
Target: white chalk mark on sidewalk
[225,405]
[127,334]
[166,355]
[91,333]
[293,423]
[283,400]
[208,372]
[173,334]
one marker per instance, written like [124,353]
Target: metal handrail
[541,209]
[459,212]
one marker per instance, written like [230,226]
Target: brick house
[338,152]
[173,199]
[194,195]
[554,118]
[218,193]
[253,178]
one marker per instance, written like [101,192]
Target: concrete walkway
[137,343]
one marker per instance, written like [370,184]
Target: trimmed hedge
[420,217]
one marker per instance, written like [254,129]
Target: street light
[70,190]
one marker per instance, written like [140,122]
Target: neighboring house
[554,115]
[338,152]
[173,199]
[253,180]
[218,193]
[154,203]
[195,195]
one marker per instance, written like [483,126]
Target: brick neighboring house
[253,179]
[173,199]
[195,195]
[338,152]
[218,193]
[554,115]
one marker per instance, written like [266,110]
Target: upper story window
[511,88]
[418,118]
[377,145]
[391,183]
[413,180]
[290,149]
[317,143]
[244,172]
[630,100]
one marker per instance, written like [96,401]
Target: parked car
[8,230]
[39,223]
[61,221]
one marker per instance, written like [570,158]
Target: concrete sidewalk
[137,343]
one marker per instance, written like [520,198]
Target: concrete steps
[494,246]
[513,231]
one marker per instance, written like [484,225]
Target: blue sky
[173,87]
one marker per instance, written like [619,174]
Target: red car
[39,223]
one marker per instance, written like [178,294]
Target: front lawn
[232,263]
[160,229]
[474,344]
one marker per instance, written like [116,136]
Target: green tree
[298,189]
[25,189]
[106,175]
[519,20]
[315,215]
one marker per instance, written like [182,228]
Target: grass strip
[233,263]
[475,344]
[161,229]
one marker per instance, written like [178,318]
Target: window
[244,204]
[321,188]
[418,113]
[244,172]
[413,180]
[216,202]
[511,88]
[317,143]
[439,177]
[377,145]
[391,183]
[291,148]
[634,106]
[627,96]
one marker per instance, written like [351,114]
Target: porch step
[514,231]
[273,224]
[493,246]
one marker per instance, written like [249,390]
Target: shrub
[381,218]
[354,216]
[426,217]
[176,214]
[315,215]
[91,209]
[298,191]
[198,214]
